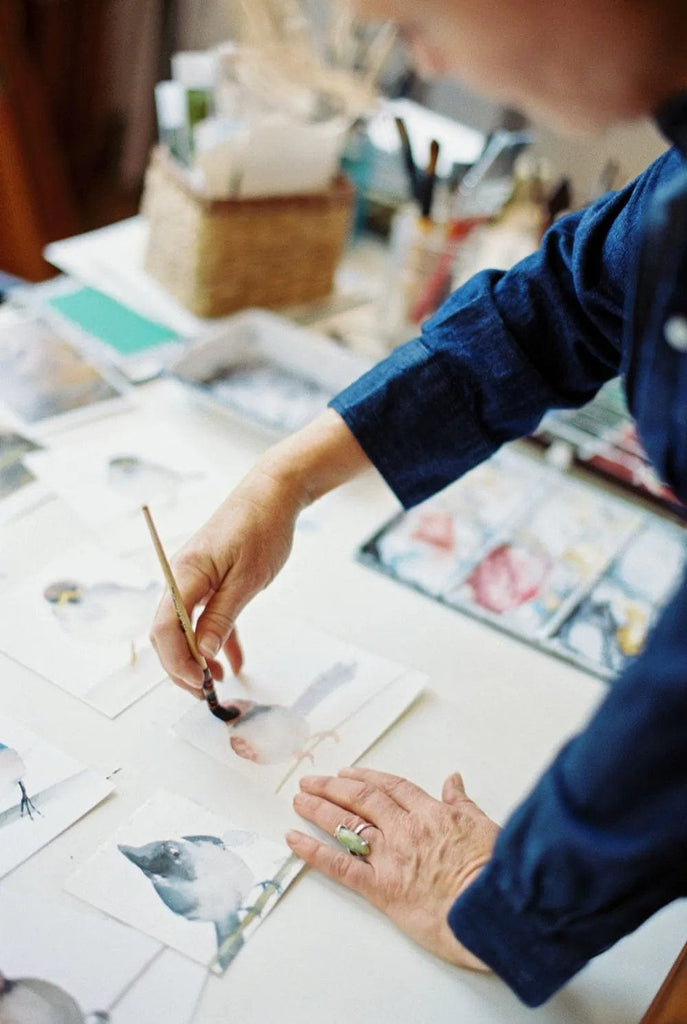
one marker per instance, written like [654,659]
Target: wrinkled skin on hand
[424,852]
[246,541]
[236,554]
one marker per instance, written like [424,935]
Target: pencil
[208,684]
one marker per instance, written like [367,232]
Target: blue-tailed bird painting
[35,1001]
[103,612]
[12,772]
[200,878]
[275,733]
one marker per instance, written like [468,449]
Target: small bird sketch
[103,612]
[142,480]
[35,1001]
[12,771]
[275,733]
[203,879]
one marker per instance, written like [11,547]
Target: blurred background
[77,115]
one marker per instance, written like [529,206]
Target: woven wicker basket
[219,255]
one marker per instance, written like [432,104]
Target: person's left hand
[423,852]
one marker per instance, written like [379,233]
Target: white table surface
[495,708]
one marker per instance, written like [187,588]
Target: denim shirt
[600,843]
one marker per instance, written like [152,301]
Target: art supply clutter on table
[496,216]
[244,199]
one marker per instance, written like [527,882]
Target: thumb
[453,790]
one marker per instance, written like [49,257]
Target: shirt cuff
[387,411]
[532,959]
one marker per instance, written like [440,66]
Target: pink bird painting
[277,733]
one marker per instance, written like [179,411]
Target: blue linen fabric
[600,844]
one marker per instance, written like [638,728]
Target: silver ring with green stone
[352,840]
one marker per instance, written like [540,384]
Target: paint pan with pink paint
[552,561]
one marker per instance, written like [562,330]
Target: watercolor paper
[188,878]
[13,446]
[19,488]
[83,622]
[96,971]
[561,565]
[305,701]
[106,481]
[42,792]
[44,379]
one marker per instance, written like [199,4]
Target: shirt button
[675,332]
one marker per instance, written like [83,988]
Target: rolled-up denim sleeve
[501,351]
[601,842]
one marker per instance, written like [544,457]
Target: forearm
[315,460]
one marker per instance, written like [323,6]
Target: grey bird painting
[199,878]
[141,480]
[12,771]
[34,1001]
[103,612]
[275,733]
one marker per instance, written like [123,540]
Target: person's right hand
[246,541]
[234,555]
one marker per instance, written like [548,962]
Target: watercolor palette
[264,370]
[544,557]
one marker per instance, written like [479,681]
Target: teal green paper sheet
[127,332]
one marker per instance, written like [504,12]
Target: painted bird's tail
[320,688]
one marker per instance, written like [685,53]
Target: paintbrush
[208,682]
[408,158]
[430,178]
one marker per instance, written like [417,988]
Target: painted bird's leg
[27,805]
[270,885]
[326,734]
[307,753]
[134,653]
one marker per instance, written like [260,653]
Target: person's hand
[423,852]
[245,543]
[237,553]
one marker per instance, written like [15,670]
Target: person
[600,843]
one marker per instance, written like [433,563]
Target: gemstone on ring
[351,841]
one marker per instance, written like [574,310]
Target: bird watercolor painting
[103,612]
[275,733]
[35,1001]
[189,878]
[143,480]
[200,878]
[12,772]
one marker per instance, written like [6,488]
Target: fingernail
[209,645]
[293,838]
